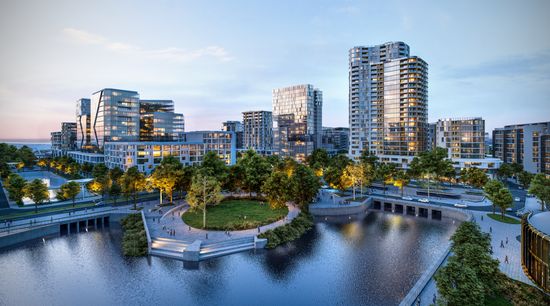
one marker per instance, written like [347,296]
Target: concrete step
[228,242]
[168,246]
[206,250]
[219,253]
[166,253]
[170,240]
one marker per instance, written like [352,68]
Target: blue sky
[216,59]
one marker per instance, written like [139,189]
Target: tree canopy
[540,188]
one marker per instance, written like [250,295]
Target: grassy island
[233,214]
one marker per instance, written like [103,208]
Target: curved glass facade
[535,254]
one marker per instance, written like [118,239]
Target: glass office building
[388,102]
[297,120]
[115,115]
[158,122]
[83,124]
[535,248]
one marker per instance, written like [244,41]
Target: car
[520,188]
[424,200]
[509,209]
[461,205]
[407,198]
[517,199]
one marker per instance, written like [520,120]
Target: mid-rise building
[87,157]
[297,120]
[83,124]
[464,140]
[335,140]
[522,144]
[388,103]
[115,116]
[237,128]
[159,122]
[64,140]
[258,131]
[431,136]
[190,151]
[545,153]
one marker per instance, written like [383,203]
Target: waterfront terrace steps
[217,249]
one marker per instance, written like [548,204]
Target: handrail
[149,243]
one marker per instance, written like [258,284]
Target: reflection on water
[370,261]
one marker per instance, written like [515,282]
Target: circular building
[535,248]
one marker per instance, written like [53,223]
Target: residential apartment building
[83,124]
[87,157]
[335,140]
[523,144]
[258,131]
[159,122]
[464,140]
[297,120]
[545,153]
[190,151]
[388,103]
[237,128]
[431,136]
[64,140]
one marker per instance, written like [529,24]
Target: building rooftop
[541,221]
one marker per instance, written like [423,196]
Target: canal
[372,261]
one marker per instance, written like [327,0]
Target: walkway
[499,232]
[160,223]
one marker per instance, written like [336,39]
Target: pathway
[499,232]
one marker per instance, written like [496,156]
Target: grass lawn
[230,215]
[509,220]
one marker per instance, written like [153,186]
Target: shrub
[134,239]
[289,232]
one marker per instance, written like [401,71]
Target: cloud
[533,65]
[171,54]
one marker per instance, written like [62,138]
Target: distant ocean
[33,144]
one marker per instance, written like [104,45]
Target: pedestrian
[418,301]
[501,244]
[434,300]
[258,229]
[189,228]
[506,259]
[490,229]
[481,217]
[491,251]
[206,235]
[506,240]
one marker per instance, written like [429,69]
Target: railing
[146,231]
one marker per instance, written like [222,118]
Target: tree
[115,174]
[503,199]
[213,166]
[276,189]
[100,170]
[516,168]
[525,178]
[115,191]
[70,190]
[37,191]
[505,171]
[335,178]
[474,177]
[485,267]
[354,174]
[164,178]
[385,173]
[304,186]
[15,185]
[491,188]
[432,164]
[26,156]
[469,233]
[132,182]
[254,171]
[459,285]
[401,180]
[318,159]
[204,191]
[540,188]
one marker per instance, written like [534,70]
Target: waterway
[373,261]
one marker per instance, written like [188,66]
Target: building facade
[159,122]
[115,116]
[463,138]
[83,124]
[190,151]
[297,120]
[86,157]
[237,128]
[535,248]
[335,140]
[258,131]
[64,140]
[388,103]
[522,144]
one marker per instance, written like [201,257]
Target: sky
[216,59]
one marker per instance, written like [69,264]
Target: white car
[424,200]
[407,198]
[461,205]
[517,199]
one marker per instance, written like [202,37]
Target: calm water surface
[374,261]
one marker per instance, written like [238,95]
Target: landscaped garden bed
[134,239]
[505,219]
[233,214]
[291,231]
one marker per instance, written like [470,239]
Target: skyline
[178,51]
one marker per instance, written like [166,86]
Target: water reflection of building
[535,248]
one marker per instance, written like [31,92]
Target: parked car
[407,198]
[424,200]
[517,199]
[461,205]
